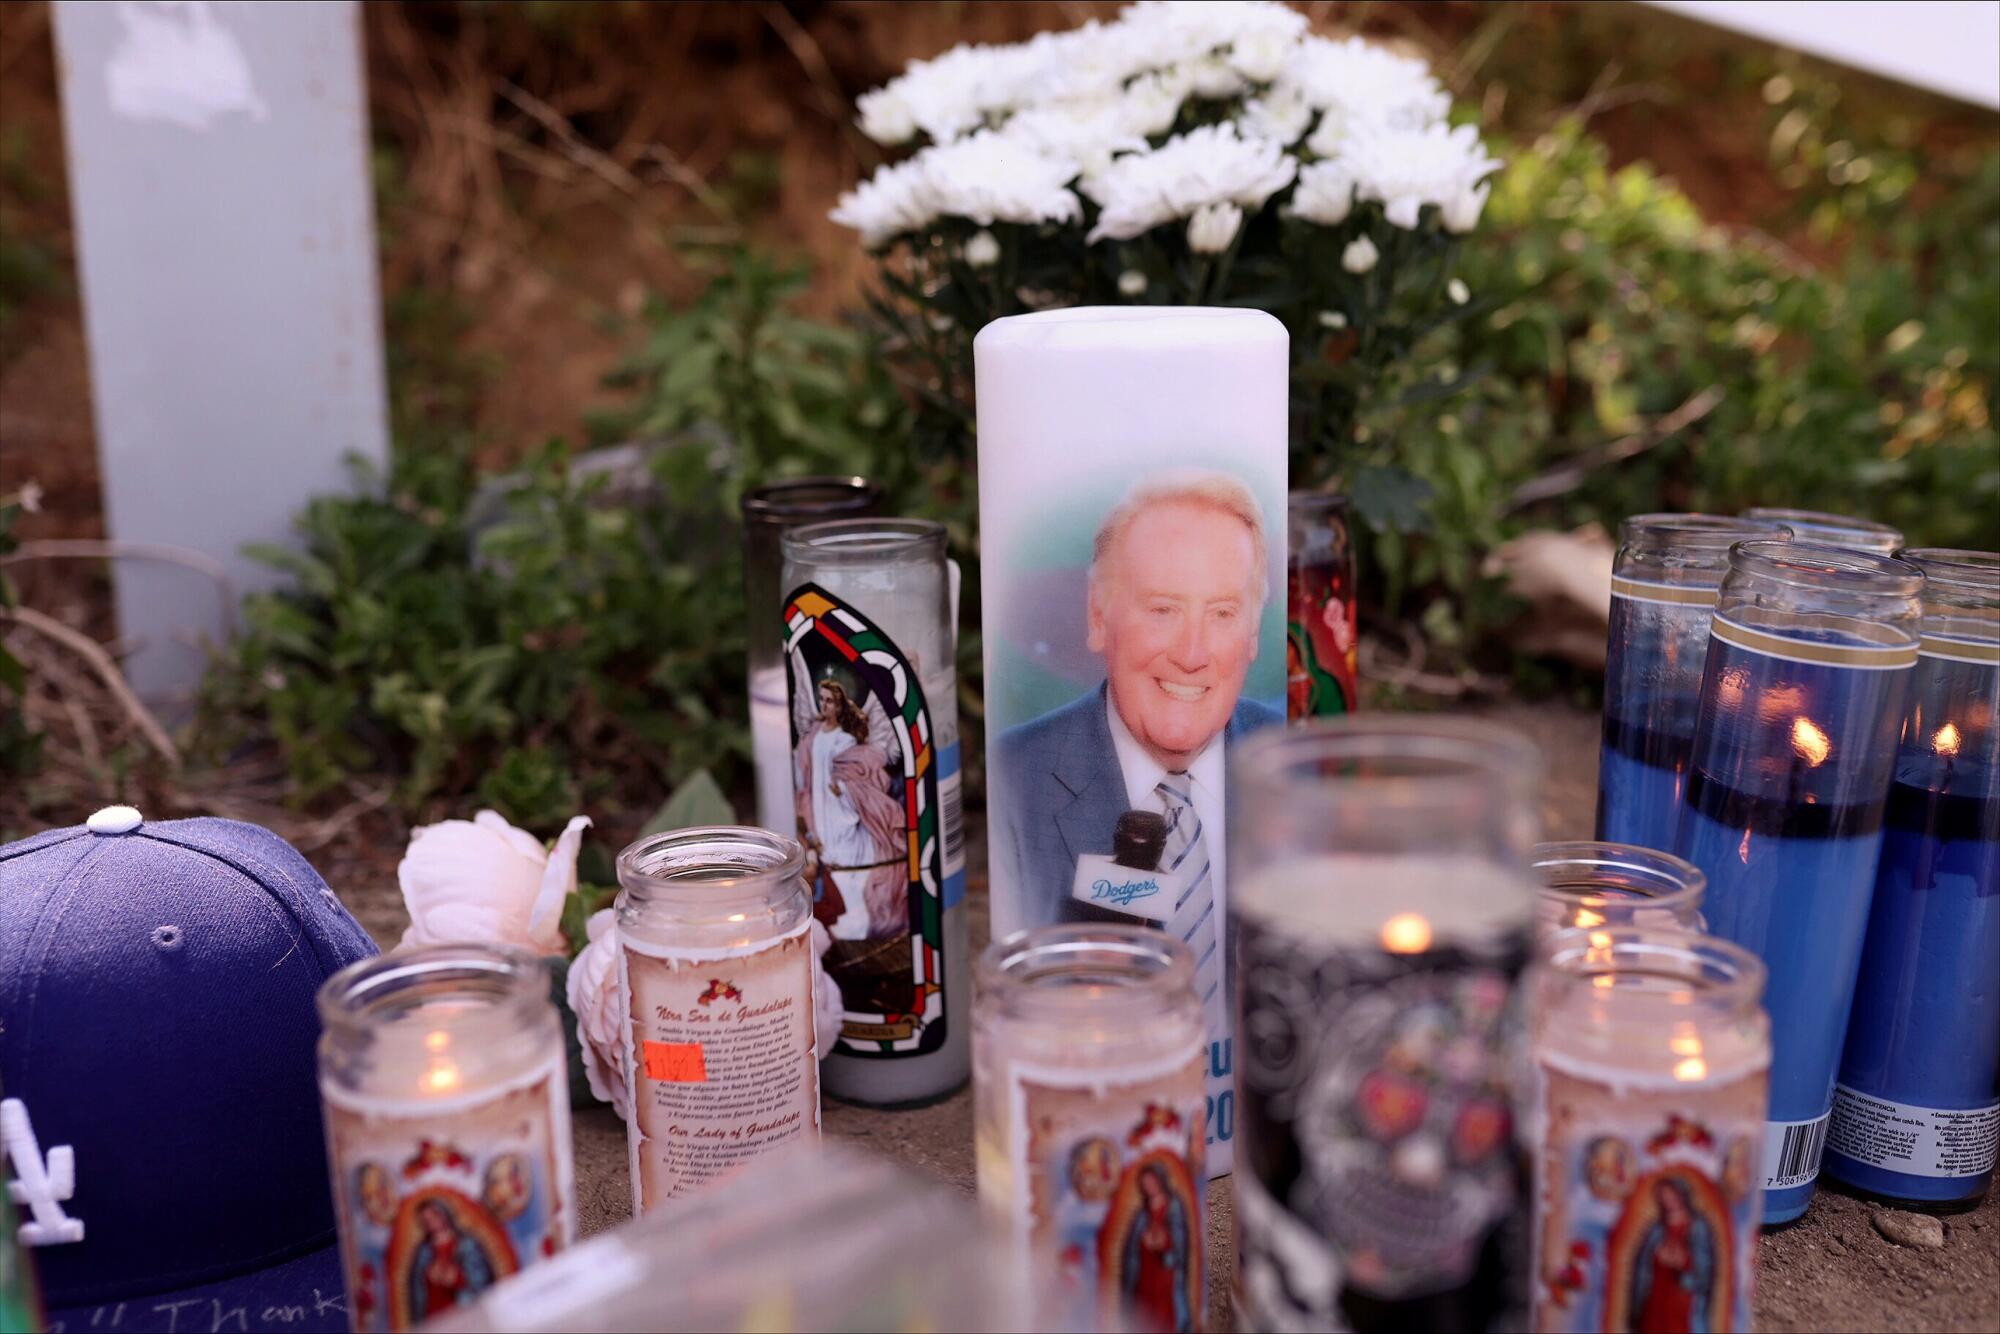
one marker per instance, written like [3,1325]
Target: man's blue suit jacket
[1064,792]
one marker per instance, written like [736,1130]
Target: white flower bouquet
[1186,153]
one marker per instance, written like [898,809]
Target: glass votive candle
[1091,1121]
[1615,884]
[1808,673]
[1384,909]
[1652,1064]
[1917,1109]
[875,765]
[1322,625]
[767,512]
[446,1088]
[715,981]
[1833,530]
[1663,585]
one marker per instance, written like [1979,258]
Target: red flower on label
[718,989]
[1390,1105]
[1480,1128]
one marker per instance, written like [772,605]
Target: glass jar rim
[1435,753]
[1042,971]
[840,541]
[1823,521]
[797,498]
[1956,569]
[1717,971]
[678,866]
[1318,502]
[1692,528]
[1816,565]
[511,980]
[1664,880]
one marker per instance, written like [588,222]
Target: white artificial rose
[600,1018]
[1360,255]
[1325,194]
[982,251]
[885,117]
[1213,227]
[484,880]
[828,1008]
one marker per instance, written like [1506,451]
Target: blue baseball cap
[157,1082]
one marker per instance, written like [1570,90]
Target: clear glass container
[1663,585]
[767,512]
[1384,910]
[1615,884]
[1091,1121]
[1322,624]
[873,700]
[715,979]
[1652,1063]
[1833,530]
[446,1089]
[1809,668]
[1917,1107]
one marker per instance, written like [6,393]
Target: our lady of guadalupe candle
[446,1090]
[1833,530]
[715,981]
[1809,670]
[1616,884]
[1652,1064]
[1322,629]
[1917,1110]
[1663,584]
[1091,1122]
[1385,912]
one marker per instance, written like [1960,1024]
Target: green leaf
[698,801]
[1391,498]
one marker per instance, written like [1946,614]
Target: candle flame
[1690,1068]
[1587,917]
[1687,1044]
[1810,742]
[437,1041]
[441,1078]
[1946,741]
[1406,933]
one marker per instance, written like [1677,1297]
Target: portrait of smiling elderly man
[1178,578]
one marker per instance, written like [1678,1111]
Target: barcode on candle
[951,801]
[1791,1152]
[676,1063]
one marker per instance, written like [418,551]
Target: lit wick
[1946,743]
[1406,933]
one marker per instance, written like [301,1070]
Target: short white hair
[1188,486]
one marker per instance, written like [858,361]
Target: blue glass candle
[1833,530]
[1809,665]
[1663,585]
[1918,1102]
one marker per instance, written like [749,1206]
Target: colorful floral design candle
[1833,530]
[1652,1063]
[447,1126]
[1615,884]
[767,512]
[715,979]
[1807,677]
[1322,629]
[1092,1121]
[1917,1108]
[1385,911]
[1663,585]
[875,772]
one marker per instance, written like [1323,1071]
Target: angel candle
[1616,884]
[873,693]
[447,1126]
[1091,1121]
[1652,1063]
[715,979]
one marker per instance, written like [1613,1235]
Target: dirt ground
[1831,1271]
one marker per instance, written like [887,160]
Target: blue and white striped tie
[1186,854]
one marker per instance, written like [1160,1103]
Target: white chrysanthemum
[1461,214]
[1407,169]
[951,94]
[1356,83]
[1213,227]
[1458,291]
[1325,194]
[886,117]
[1360,255]
[1132,283]
[982,251]
[1209,165]
[994,177]
[893,201]
[1084,133]
[1281,116]
[1159,33]
[1260,57]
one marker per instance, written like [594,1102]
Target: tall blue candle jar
[1833,530]
[1663,586]
[1917,1108]
[1811,654]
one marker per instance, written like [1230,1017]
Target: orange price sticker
[676,1062]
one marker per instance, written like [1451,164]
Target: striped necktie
[1186,854]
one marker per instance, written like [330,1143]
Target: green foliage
[20,744]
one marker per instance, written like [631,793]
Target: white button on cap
[115,820]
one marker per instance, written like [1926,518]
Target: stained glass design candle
[715,982]
[1917,1109]
[1322,633]
[1385,911]
[767,512]
[1808,674]
[1615,884]
[1652,1064]
[1092,1122]
[1833,530]
[1663,586]
[446,1089]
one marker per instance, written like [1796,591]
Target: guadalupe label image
[1322,641]
[872,790]
[437,1206]
[1114,1192]
[724,1066]
[1647,1205]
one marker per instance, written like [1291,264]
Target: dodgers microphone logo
[1128,885]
